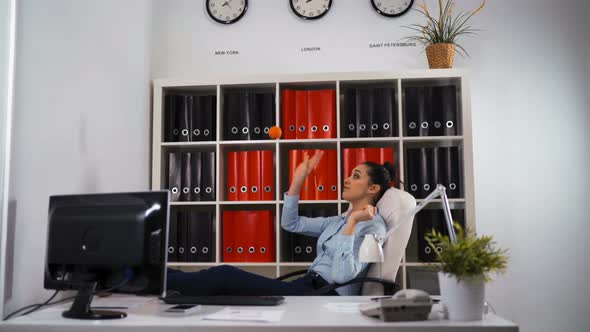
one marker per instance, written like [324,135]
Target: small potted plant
[439,35]
[465,267]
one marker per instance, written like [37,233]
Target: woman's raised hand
[307,165]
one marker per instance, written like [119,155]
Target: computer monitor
[112,241]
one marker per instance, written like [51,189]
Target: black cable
[47,303]
[38,305]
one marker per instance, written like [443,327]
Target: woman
[339,239]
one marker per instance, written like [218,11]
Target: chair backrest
[393,206]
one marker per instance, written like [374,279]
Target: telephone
[405,305]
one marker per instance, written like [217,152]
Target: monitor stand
[80,309]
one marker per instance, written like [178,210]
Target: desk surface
[300,312]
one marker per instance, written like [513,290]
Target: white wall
[7,38]
[531,120]
[82,79]
[81,120]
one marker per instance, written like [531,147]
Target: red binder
[348,162]
[243,174]
[373,154]
[361,156]
[328,120]
[301,114]
[259,237]
[332,187]
[253,181]
[386,154]
[289,115]
[265,240]
[268,176]
[325,176]
[247,237]
[307,189]
[232,176]
[228,236]
[293,162]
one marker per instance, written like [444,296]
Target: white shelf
[189,144]
[209,203]
[432,138]
[419,264]
[280,147]
[247,202]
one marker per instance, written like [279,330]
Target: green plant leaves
[470,257]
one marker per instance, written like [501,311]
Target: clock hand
[224,4]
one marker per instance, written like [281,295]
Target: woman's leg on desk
[229,280]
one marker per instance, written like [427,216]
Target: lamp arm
[439,191]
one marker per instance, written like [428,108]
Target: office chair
[380,277]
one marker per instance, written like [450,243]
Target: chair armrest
[389,287]
[291,274]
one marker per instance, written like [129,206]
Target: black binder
[174,176]
[205,251]
[434,168]
[424,174]
[173,236]
[171,126]
[413,185]
[196,114]
[183,220]
[184,118]
[436,112]
[449,110]
[208,121]
[434,219]
[193,234]
[231,113]
[208,175]
[196,177]
[245,123]
[425,112]
[451,171]
[414,108]
[382,122]
[255,116]
[364,103]
[268,111]
[185,174]
[349,113]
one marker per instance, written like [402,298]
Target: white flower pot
[464,299]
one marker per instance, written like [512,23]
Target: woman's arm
[345,265]
[290,219]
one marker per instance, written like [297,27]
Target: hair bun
[390,169]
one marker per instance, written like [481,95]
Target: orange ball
[275,132]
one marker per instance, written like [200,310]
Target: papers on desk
[343,307]
[120,302]
[247,315]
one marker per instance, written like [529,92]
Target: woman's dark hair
[382,175]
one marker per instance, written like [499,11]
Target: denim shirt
[337,257]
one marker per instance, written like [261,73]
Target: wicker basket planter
[440,55]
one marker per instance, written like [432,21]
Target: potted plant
[465,266]
[439,35]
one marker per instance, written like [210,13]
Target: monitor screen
[104,239]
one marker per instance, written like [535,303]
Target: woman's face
[357,185]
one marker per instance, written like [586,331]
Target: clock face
[310,9]
[392,8]
[226,11]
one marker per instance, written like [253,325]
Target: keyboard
[225,300]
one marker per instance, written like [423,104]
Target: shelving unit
[280,148]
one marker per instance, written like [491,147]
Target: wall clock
[392,8]
[226,11]
[310,9]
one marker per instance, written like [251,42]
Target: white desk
[300,312]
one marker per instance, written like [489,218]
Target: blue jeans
[229,280]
